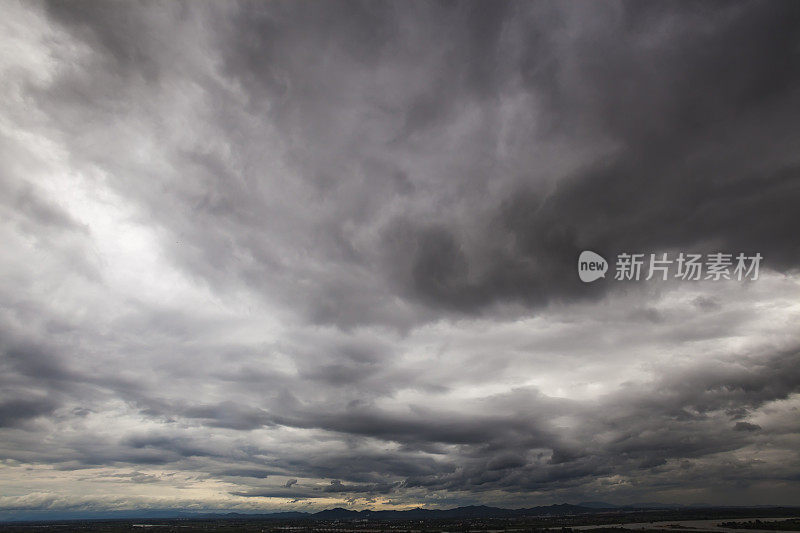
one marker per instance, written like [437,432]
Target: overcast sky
[297,255]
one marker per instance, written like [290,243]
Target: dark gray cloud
[468,226]
[296,254]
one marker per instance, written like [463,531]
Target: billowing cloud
[295,255]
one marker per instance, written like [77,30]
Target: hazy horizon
[300,255]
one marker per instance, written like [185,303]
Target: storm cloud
[295,255]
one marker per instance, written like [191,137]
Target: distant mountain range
[339,513]
[471,511]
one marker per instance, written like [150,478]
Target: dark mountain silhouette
[457,513]
[598,505]
[471,511]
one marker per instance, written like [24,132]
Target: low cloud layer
[295,255]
